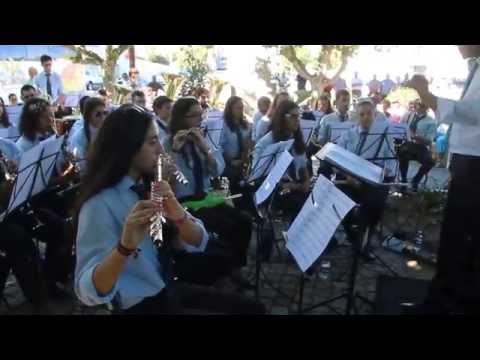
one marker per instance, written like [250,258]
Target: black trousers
[413,151]
[180,299]
[21,257]
[234,229]
[372,201]
[457,280]
[59,259]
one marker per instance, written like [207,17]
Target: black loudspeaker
[392,292]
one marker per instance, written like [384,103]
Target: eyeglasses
[101,113]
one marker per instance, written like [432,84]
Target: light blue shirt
[185,165]
[331,126]
[256,118]
[299,160]
[229,142]
[262,127]
[100,227]
[76,125]
[78,146]
[380,117]
[162,126]
[426,128]
[25,144]
[374,148]
[55,81]
[10,150]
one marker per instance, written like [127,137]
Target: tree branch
[290,54]
[84,55]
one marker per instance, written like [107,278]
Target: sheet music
[51,147]
[268,158]
[351,163]
[312,229]
[14,113]
[273,178]
[337,130]
[213,127]
[307,127]
[27,165]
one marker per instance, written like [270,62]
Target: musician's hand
[11,166]
[420,84]
[197,138]
[179,140]
[137,223]
[289,187]
[353,182]
[170,206]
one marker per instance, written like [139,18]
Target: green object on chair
[212,199]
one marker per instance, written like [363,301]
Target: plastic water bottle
[418,241]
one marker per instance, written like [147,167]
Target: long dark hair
[279,126]
[178,120]
[29,124]
[111,154]
[90,105]
[327,98]
[228,113]
[4,119]
[275,103]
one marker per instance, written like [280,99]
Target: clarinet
[156,227]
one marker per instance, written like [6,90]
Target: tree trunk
[131,56]
[109,72]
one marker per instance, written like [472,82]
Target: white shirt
[55,81]
[465,116]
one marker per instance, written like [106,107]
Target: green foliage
[193,60]
[153,56]
[172,85]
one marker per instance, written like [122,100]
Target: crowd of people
[96,214]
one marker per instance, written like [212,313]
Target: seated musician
[36,278]
[4,120]
[423,130]
[17,250]
[370,141]
[263,125]
[162,107]
[116,258]
[333,125]
[94,115]
[79,123]
[199,164]
[295,184]
[35,125]
[235,143]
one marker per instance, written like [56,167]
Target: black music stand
[31,180]
[262,212]
[358,243]
[359,239]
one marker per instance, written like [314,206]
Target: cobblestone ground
[279,278]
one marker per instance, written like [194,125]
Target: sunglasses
[292,116]
[196,115]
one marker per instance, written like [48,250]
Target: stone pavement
[280,277]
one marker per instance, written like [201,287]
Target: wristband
[126,251]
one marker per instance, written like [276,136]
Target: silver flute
[156,226]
